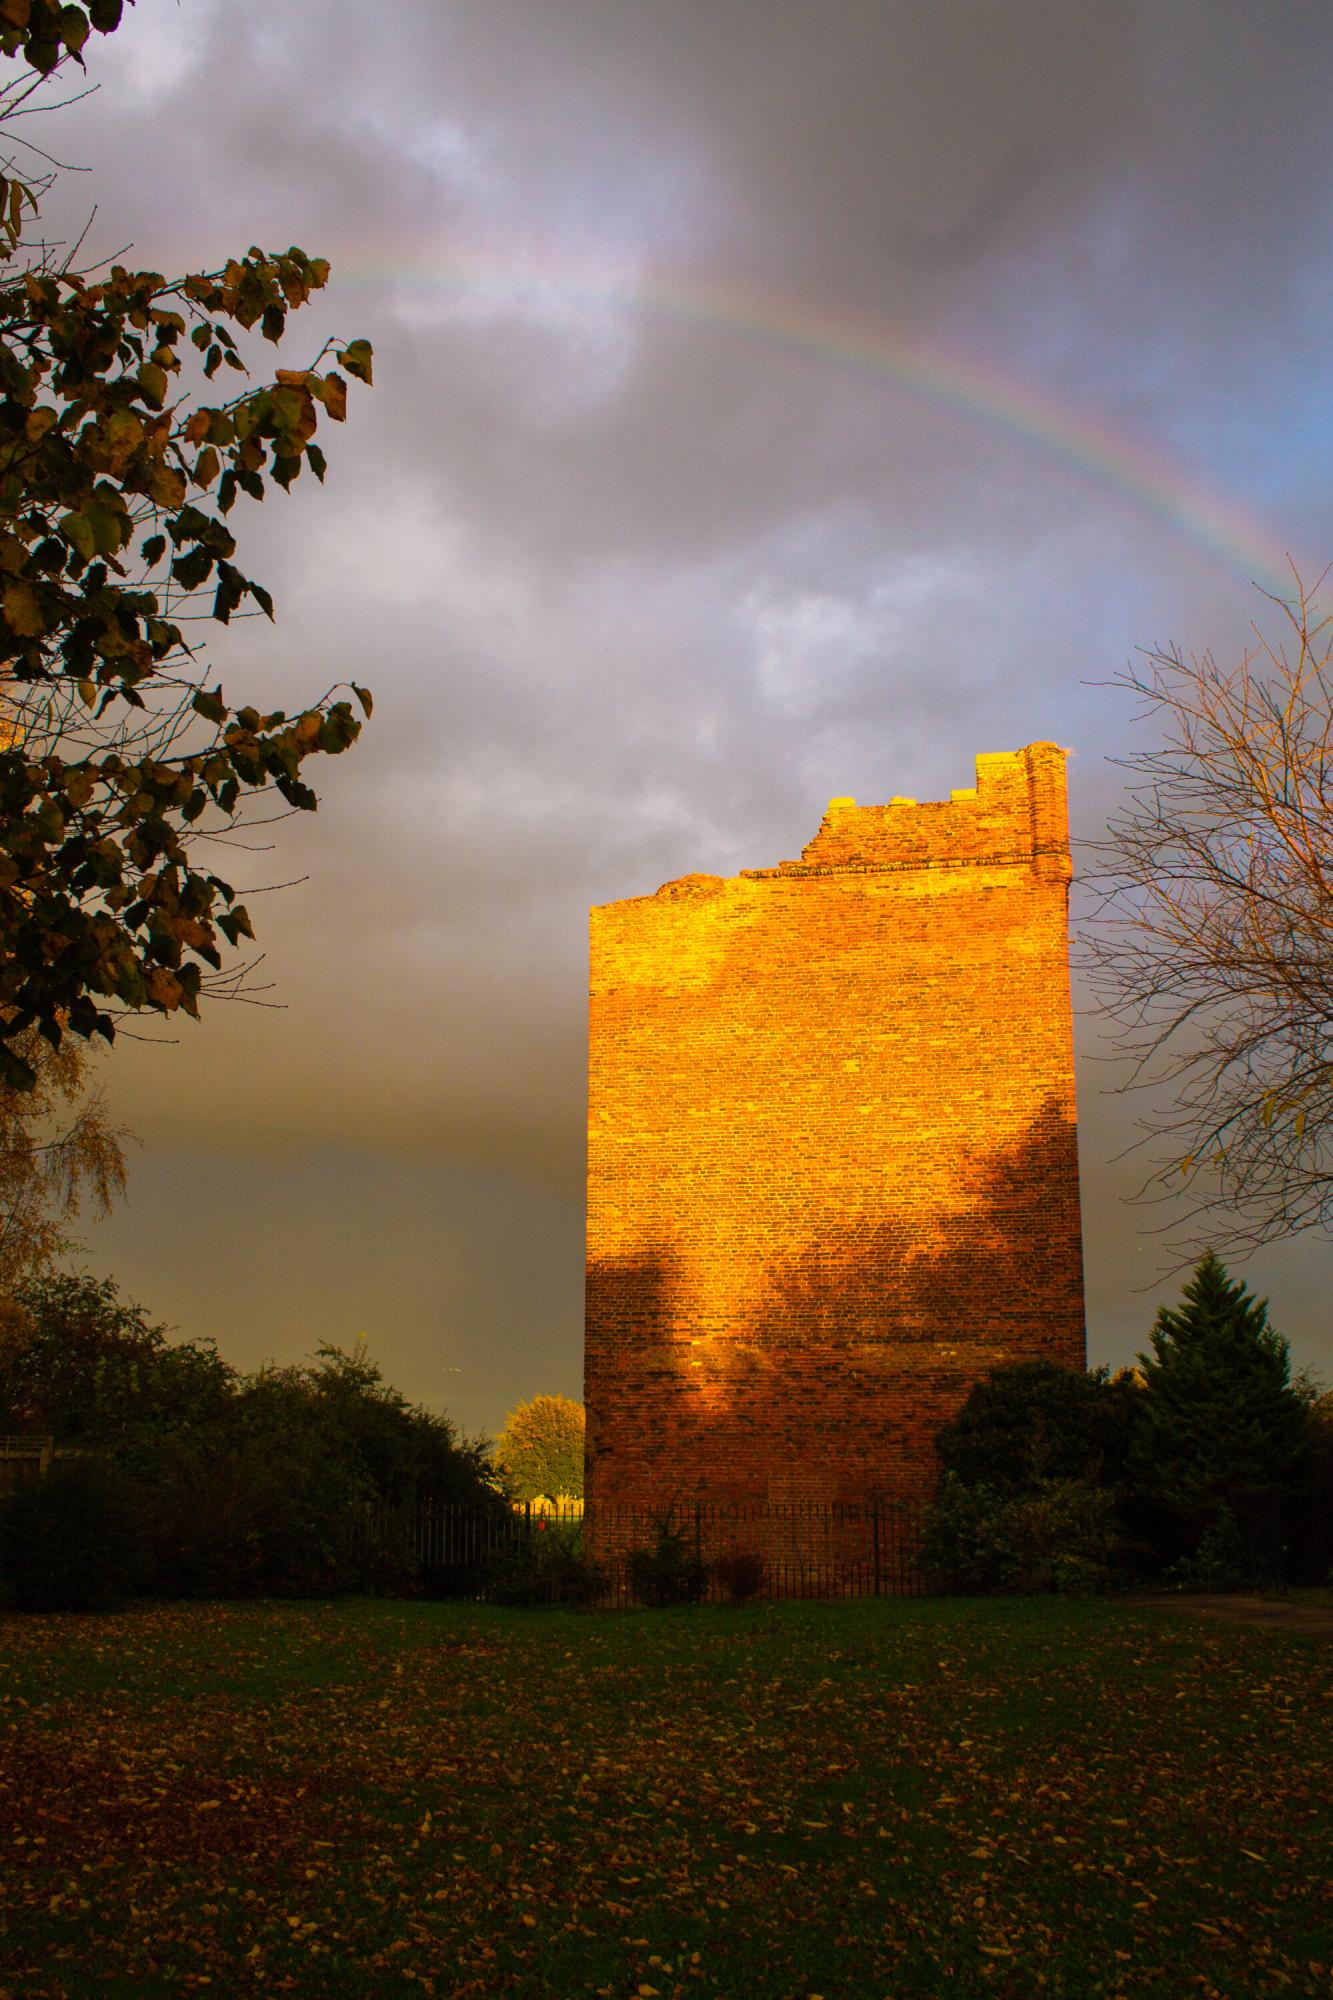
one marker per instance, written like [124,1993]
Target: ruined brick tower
[832,1173]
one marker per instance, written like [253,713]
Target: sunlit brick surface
[832,1173]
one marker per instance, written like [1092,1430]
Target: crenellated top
[1017,811]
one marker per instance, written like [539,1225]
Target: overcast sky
[772,402]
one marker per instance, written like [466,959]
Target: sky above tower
[773,402]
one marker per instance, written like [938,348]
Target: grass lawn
[862,1799]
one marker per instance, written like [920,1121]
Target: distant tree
[1221,1426]
[56,1147]
[1025,1425]
[117,474]
[541,1449]
[1211,945]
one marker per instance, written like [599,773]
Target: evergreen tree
[1221,1429]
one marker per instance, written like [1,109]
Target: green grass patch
[863,1799]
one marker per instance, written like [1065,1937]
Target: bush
[668,1573]
[546,1566]
[77,1361]
[1033,1423]
[1222,1560]
[739,1576]
[73,1541]
[1057,1537]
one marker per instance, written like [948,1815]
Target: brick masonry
[832,1173]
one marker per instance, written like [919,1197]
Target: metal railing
[22,1461]
[762,1549]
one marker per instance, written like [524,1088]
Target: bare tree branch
[1210,940]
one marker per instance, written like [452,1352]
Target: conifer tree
[1221,1426]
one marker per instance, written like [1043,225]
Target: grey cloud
[641,573]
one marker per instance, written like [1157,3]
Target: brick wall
[832,1170]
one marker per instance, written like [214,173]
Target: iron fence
[23,1460]
[761,1549]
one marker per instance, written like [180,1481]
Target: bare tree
[1210,943]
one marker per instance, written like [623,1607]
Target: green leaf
[357,358]
[235,924]
[230,591]
[153,381]
[297,794]
[74,28]
[105,511]
[105,15]
[363,696]
[318,462]
[78,532]
[23,611]
[153,549]
[192,569]
[210,705]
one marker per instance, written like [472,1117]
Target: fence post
[874,1515]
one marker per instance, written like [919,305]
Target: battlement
[1015,812]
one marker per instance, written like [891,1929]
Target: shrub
[740,1575]
[669,1572]
[1032,1423]
[546,1566]
[73,1540]
[79,1362]
[1222,1561]
[1058,1537]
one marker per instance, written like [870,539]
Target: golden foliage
[57,1147]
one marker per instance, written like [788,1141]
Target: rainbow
[1127,468]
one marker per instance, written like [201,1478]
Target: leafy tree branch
[119,468]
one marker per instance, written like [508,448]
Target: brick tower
[832,1173]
